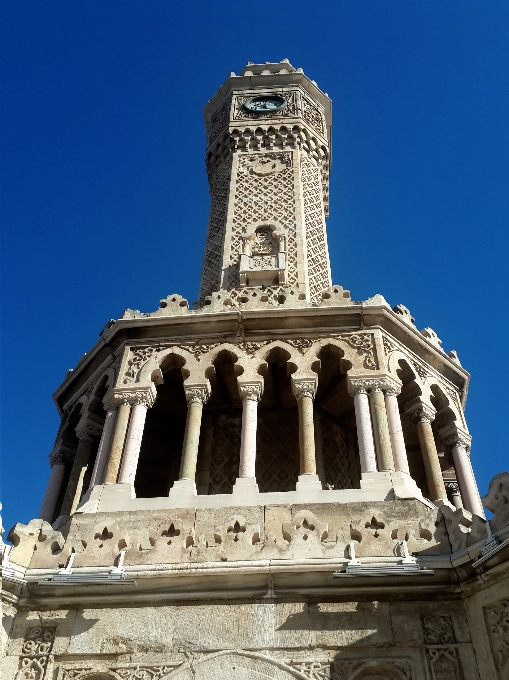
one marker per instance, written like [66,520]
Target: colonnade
[379,432]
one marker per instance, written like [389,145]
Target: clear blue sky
[105,198]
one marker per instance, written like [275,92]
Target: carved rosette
[250,391]
[198,394]
[304,388]
[421,413]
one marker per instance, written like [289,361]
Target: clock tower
[268,160]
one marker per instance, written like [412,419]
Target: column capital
[88,429]
[251,390]
[419,412]
[451,435]
[304,387]
[61,455]
[452,486]
[373,383]
[197,393]
[131,397]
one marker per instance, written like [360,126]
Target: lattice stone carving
[497,619]
[316,244]
[314,670]
[224,465]
[219,120]
[213,260]
[277,431]
[36,653]
[268,197]
[438,630]
[313,116]
[337,443]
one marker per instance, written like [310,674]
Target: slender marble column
[133,442]
[465,474]
[86,434]
[58,460]
[195,397]
[423,416]
[381,430]
[117,444]
[395,430]
[250,394]
[104,448]
[304,391]
[365,440]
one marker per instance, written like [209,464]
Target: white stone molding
[197,393]
[304,387]
[364,385]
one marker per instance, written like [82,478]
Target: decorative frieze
[497,620]
[138,356]
[35,657]
[363,343]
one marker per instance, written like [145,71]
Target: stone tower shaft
[269,174]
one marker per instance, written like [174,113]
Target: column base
[308,482]
[245,485]
[183,488]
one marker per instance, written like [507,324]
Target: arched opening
[218,456]
[97,414]
[411,390]
[337,454]
[163,435]
[277,437]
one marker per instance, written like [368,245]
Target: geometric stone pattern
[212,261]
[269,198]
[497,620]
[225,458]
[338,445]
[317,255]
[35,654]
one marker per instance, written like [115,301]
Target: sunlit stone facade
[273,483]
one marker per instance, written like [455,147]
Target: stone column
[423,415]
[196,396]
[58,460]
[86,433]
[104,447]
[141,402]
[117,443]
[364,430]
[460,447]
[381,428]
[304,391]
[250,394]
[454,494]
[395,429]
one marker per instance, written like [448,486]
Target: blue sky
[105,198]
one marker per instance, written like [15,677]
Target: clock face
[265,103]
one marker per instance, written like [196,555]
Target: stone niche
[263,258]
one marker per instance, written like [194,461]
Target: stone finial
[454,356]
[335,296]
[497,500]
[404,314]
[430,335]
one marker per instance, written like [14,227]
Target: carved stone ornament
[458,439]
[363,343]
[251,391]
[373,384]
[138,356]
[61,456]
[453,487]
[197,393]
[421,413]
[267,164]
[145,396]
[88,430]
[36,653]
[389,345]
[304,388]
[497,617]
[302,344]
